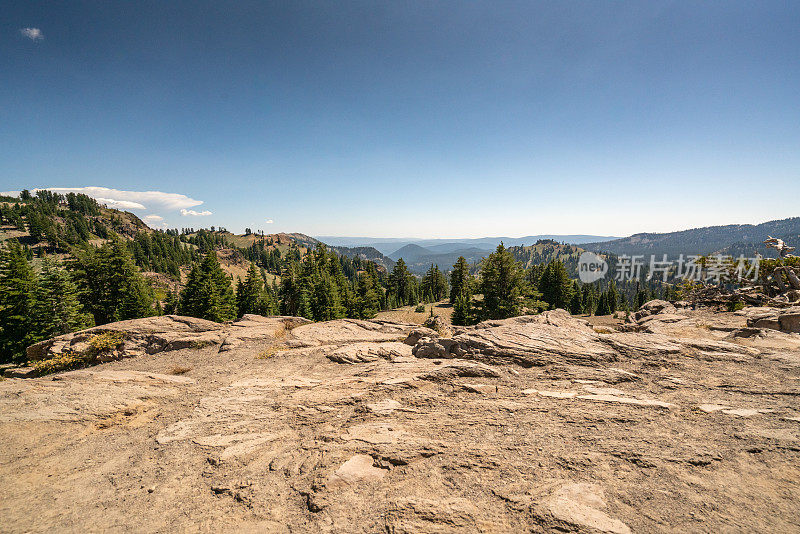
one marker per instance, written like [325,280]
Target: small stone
[359,468]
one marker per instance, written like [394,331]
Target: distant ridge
[732,238]
[388,246]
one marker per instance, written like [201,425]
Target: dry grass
[270,352]
[406,314]
[280,334]
[601,330]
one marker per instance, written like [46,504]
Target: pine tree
[556,286]
[603,307]
[17,300]
[459,279]
[368,297]
[612,297]
[249,292]
[576,303]
[502,285]
[462,309]
[57,309]
[401,285]
[171,303]
[434,285]
[208,293]
[110,286]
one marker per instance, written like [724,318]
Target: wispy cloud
[120,204]
[269,221]
[187,213]
[153,218]
[143,199]
[34,34]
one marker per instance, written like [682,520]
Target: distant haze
[388,246]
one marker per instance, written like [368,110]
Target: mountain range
[419,254]
[388,246]
[731,239]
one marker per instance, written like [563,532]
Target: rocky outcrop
[153,335]
[135,337]
[654,307]
[533,424]
[528,341]
[782,319]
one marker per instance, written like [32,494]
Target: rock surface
[783,319]
[686,422]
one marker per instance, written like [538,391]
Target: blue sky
[427,119]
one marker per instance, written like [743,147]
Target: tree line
[504,288]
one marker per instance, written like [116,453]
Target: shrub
[420,309]
[735,306]
[64,362]
[105,342]
[71,359]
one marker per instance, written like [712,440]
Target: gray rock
[654,307]
[418,333]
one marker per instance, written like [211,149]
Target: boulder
[438,325]
[654,307]
[418,333]
[527,340]
[783,319]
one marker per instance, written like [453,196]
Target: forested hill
[61,225]
[366,253]
[729,239]
[66,263]
[546,250]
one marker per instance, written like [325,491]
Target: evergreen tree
[17,300]
[401,285]
[434,285]
[171,303]
[111,288]
[368,302]
[249,292]
[603,307]
[57,310]
[556,286]
[462,309]
[502,285]
[459,279]
[613,297]
[576,303]
[208,293]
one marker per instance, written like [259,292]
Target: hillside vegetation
[731,239]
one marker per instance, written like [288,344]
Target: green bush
[105,342]
[65,362]
[735,306]
[70,359]
[420,309]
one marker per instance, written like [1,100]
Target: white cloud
[195,213]
[122,204]
[144,199]
[153,218]
[269,221]
[34,34]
